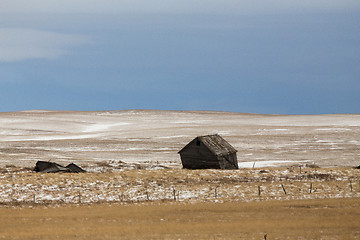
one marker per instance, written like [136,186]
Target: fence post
[310,187]
[174,193]
[79,197]
[34,198]
[350,186]
[283,188]
[259,191]
[147,196]
[215,192]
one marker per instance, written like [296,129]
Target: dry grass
[295,219]
[115,204]
[158,185]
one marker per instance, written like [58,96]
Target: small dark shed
[211,151]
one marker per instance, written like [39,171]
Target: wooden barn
[211,151]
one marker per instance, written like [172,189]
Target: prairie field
[281,203]
[291,219]
[297,176]
[24,187]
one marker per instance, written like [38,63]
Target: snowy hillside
[152,138]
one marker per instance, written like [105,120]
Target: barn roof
[216,144]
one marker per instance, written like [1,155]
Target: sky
[265,56]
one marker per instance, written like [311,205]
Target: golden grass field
[19,187]
[293,219]
[210,204]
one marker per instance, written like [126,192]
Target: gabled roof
[216,144]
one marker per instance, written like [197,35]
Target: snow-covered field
[133,156]
[151,139]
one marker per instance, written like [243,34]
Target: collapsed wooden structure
[52,167]
[210,151]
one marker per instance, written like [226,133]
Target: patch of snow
[260,164]
[99,127]
[333,129]
[135,139]
[49,137]
[163,149]
[176,136]
[224,133]
[136,149]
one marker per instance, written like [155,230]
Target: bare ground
[293,219]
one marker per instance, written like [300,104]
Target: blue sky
[267,56]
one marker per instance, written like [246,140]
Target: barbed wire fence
[247,191]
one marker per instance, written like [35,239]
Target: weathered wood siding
[197,156]
[228,161]
[209,151]
[191,162]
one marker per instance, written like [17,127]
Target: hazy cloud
[275,56]
[178,6]
[18,44]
